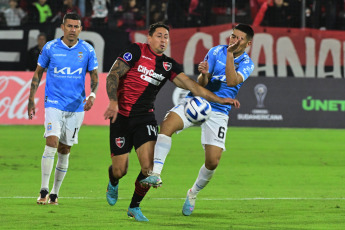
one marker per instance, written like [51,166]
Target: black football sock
[139,192]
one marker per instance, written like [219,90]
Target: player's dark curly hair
[72,16]
[154,26]
[245,29]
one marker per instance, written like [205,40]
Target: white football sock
[162,149]
[204,177]
[47,163]
[60,172]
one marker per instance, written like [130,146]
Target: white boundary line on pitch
[212,199]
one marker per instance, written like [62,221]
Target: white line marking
[214,199]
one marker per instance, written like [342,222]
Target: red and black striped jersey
[148,73]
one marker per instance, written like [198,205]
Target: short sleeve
[44,58]
[131,54]
[176,69]
[245,68]
[93,63]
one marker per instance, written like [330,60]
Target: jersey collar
[153,52]
[67,45]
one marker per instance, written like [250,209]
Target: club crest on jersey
[167,66]
[80,56]
[49,127]
[120,142]
[127,56]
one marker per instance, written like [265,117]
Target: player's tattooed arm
[35,82]
[94,80]
[118,70]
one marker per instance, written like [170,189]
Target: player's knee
[64,149]
[212,165]
[52,141]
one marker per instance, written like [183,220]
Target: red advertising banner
[14,94]
[280,52]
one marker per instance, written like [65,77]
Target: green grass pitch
[269,178]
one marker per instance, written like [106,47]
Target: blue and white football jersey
[216,58]
[65,81]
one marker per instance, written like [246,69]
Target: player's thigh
[212,156]
[121,137]
[120,165]
[71,127]
[145,155]
[176,120]
[144,139]
[53,121]
[213,130]
[172,123]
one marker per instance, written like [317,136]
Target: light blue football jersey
[216,58]
[65,80]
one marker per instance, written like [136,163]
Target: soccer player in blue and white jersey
[223,72]
[67,59]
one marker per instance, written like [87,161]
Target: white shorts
[213,130]
[64,125]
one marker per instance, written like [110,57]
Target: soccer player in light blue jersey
[223,72]
[66,59]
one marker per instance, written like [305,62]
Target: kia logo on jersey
[167,66]
[120,142]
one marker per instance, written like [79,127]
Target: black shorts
[129,132]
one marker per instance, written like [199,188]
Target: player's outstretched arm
[118,70]
[185,82]
[35,82]
[94,87]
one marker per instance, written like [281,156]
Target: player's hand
[111,112]
[230,101]
[233,47]
[235,103]
[89,103]
[31,109]
[203,67]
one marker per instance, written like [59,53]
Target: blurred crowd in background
[138,14]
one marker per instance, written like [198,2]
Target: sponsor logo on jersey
[167,66]
[52,101]
[49,127]
[150,75]
[146,57]
[120,142]
[67,70]
[127,56]
[60,55]
[80,56]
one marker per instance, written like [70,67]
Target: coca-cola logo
[14,95]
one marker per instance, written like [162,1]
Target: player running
[223,72]
[132,85]
[67,59]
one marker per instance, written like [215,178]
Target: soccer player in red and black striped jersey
[132,85]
